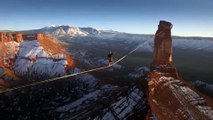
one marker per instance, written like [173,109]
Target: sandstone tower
[3,37]
[163,44]
[19,37]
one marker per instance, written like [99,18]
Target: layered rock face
[7,37]
[19,37]
[32,55]
[163,44]
[169,96]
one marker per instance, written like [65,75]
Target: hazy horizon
[137,16]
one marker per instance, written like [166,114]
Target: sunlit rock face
[8,37]
[163,44]
[169,96]
[32,55]
[34,59]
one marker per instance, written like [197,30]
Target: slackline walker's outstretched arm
[71,75]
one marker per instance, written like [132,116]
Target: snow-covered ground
[33,59]
[124,106]
[139,72]
[202,45]
[193,44]
[119,107]
[203,85]
[85,80]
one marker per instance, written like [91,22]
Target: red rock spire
[163,44]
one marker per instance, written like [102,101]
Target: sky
[189,17]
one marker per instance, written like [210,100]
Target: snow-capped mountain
[69,31]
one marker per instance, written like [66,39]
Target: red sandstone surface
[163,44]
[6,61]
[46,41]
[7,37]
[9,46]
[169,96]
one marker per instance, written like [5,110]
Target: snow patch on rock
[33,59]
[139,72]
[201,84]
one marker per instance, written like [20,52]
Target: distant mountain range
[66,33]
[81,96]
[66,30]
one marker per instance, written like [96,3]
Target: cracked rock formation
[169,96]
[163,44]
